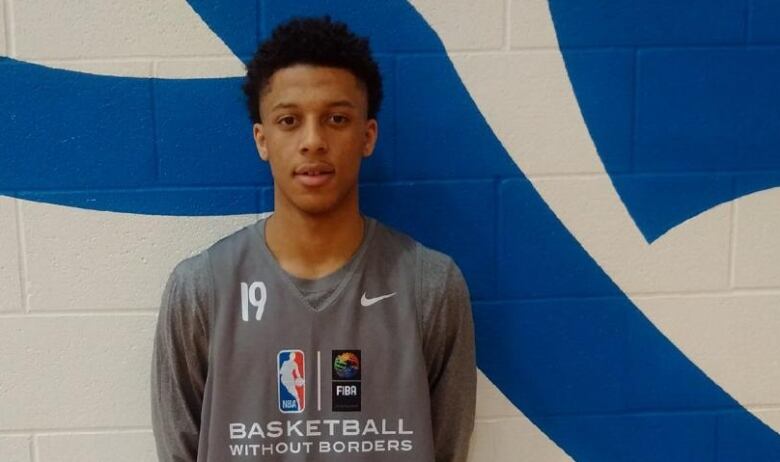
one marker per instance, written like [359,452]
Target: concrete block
[457,142]
[124,68]
[201,67]
[96,131]
[650,22]
[10,279]
[515,439]
[502,432]
[764,17]
[531,25]
[732,338]
[526,98]
[757,240]
[653,435]
[660,202]
[91,260]
[769,416]
[707,110]
[175,201]
[603,81]
[211,141]
[693,256]
[482,446]
[75,371]
[391,26]
[659,379]
[3,30]
[491,402]
[100,29]
[555,357]
[97,447]
[236,23]
[510,440]
[735,443]
[486,22]
[539,257]
[15,448]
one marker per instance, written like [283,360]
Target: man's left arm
[452,374]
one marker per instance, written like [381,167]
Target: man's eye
[286,121]
[338,119]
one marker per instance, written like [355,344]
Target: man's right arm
[180,361]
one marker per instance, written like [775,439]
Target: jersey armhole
[210,316]
[418,273]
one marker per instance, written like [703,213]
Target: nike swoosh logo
[370,301]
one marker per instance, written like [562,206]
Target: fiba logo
[346,365]
[253,295]
[346,380]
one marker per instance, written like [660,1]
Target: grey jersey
[245,368]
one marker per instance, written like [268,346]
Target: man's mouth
[314,174]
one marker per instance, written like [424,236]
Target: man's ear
[372,131]
[260,141]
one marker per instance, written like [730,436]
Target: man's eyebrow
[338,103]
[342,102]
[283,105]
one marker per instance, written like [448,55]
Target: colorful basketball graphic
[346,365]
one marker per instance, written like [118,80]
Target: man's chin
[320,207]
[322,203]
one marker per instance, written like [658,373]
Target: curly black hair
[317,41]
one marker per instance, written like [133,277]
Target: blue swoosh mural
[679,97]
[555,333]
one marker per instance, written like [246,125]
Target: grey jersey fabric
[317,291]
[245,368]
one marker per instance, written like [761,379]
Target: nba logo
[291,382]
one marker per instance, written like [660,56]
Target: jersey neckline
[349,268]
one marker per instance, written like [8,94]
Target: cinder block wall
[605,175]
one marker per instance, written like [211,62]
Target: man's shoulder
[442,291]
[229,246]
[434,265]
[237,241]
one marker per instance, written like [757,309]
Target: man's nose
[313,140]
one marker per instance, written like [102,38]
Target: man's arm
[448,332]
[180,361]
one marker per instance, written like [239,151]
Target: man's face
[314,134]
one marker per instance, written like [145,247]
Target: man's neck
[312,246]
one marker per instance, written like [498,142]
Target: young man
[317,333]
